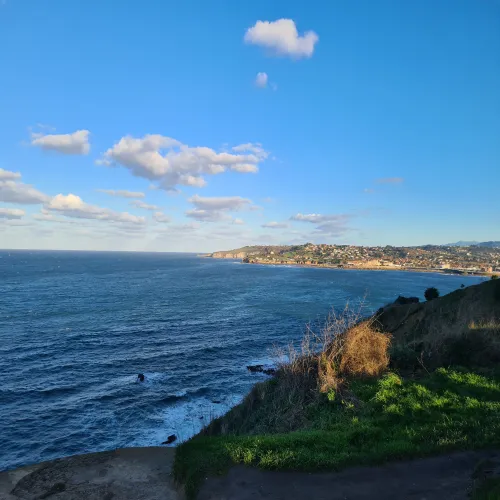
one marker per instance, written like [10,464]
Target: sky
[206,125]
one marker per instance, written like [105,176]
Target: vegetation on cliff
[401,384]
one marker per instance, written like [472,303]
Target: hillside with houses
[471,259]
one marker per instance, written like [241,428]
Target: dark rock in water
[255,368]
[261,369]
[170,439]
[216,401]
[402,301]
[269,371]
[141,377]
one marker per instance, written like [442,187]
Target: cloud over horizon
[11,213]
[275,225]
[215,209]
[73,206]
[326,224]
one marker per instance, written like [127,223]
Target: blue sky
[371,123]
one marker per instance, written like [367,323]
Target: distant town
[482,258]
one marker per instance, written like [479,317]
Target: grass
[370,421]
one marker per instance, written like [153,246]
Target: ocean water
[77,327]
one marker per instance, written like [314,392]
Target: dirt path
[126,474]
[437,478]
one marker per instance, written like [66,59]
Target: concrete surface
[125,474]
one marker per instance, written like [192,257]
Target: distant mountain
[486,244]
[489,244]
[462,244]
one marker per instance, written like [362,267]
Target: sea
[76,328]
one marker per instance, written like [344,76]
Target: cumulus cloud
[171,163]
[161,217]
[261,80]
[215,209]
[238,222]
[282,38]
[73,206]
[7,175]
[18,192]
[145,206]
[122,193]
[76,143]
[275,225]
[11,213]
[390,180]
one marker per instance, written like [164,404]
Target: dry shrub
[364,351]
[346,346]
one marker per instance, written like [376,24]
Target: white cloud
[238,222]
[46,216]
[252,147]
[319,218]
[333,228]
[368,190]
[18,192]
[230,203]
[123,193]
[11,213]
[145,206]
[161,217]
[76,143]
[275,225]
[282,38]
[215,209]
[261,80]
[245,168]
[172,163]
[390,180]
[7,175]
[207,215]
[327,224]
[73,206]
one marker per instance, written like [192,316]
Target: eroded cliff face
[229,255]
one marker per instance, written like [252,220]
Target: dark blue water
[77,327]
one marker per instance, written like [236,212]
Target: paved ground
[126,474]
[448,477]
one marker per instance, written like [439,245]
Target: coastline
[353,268]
